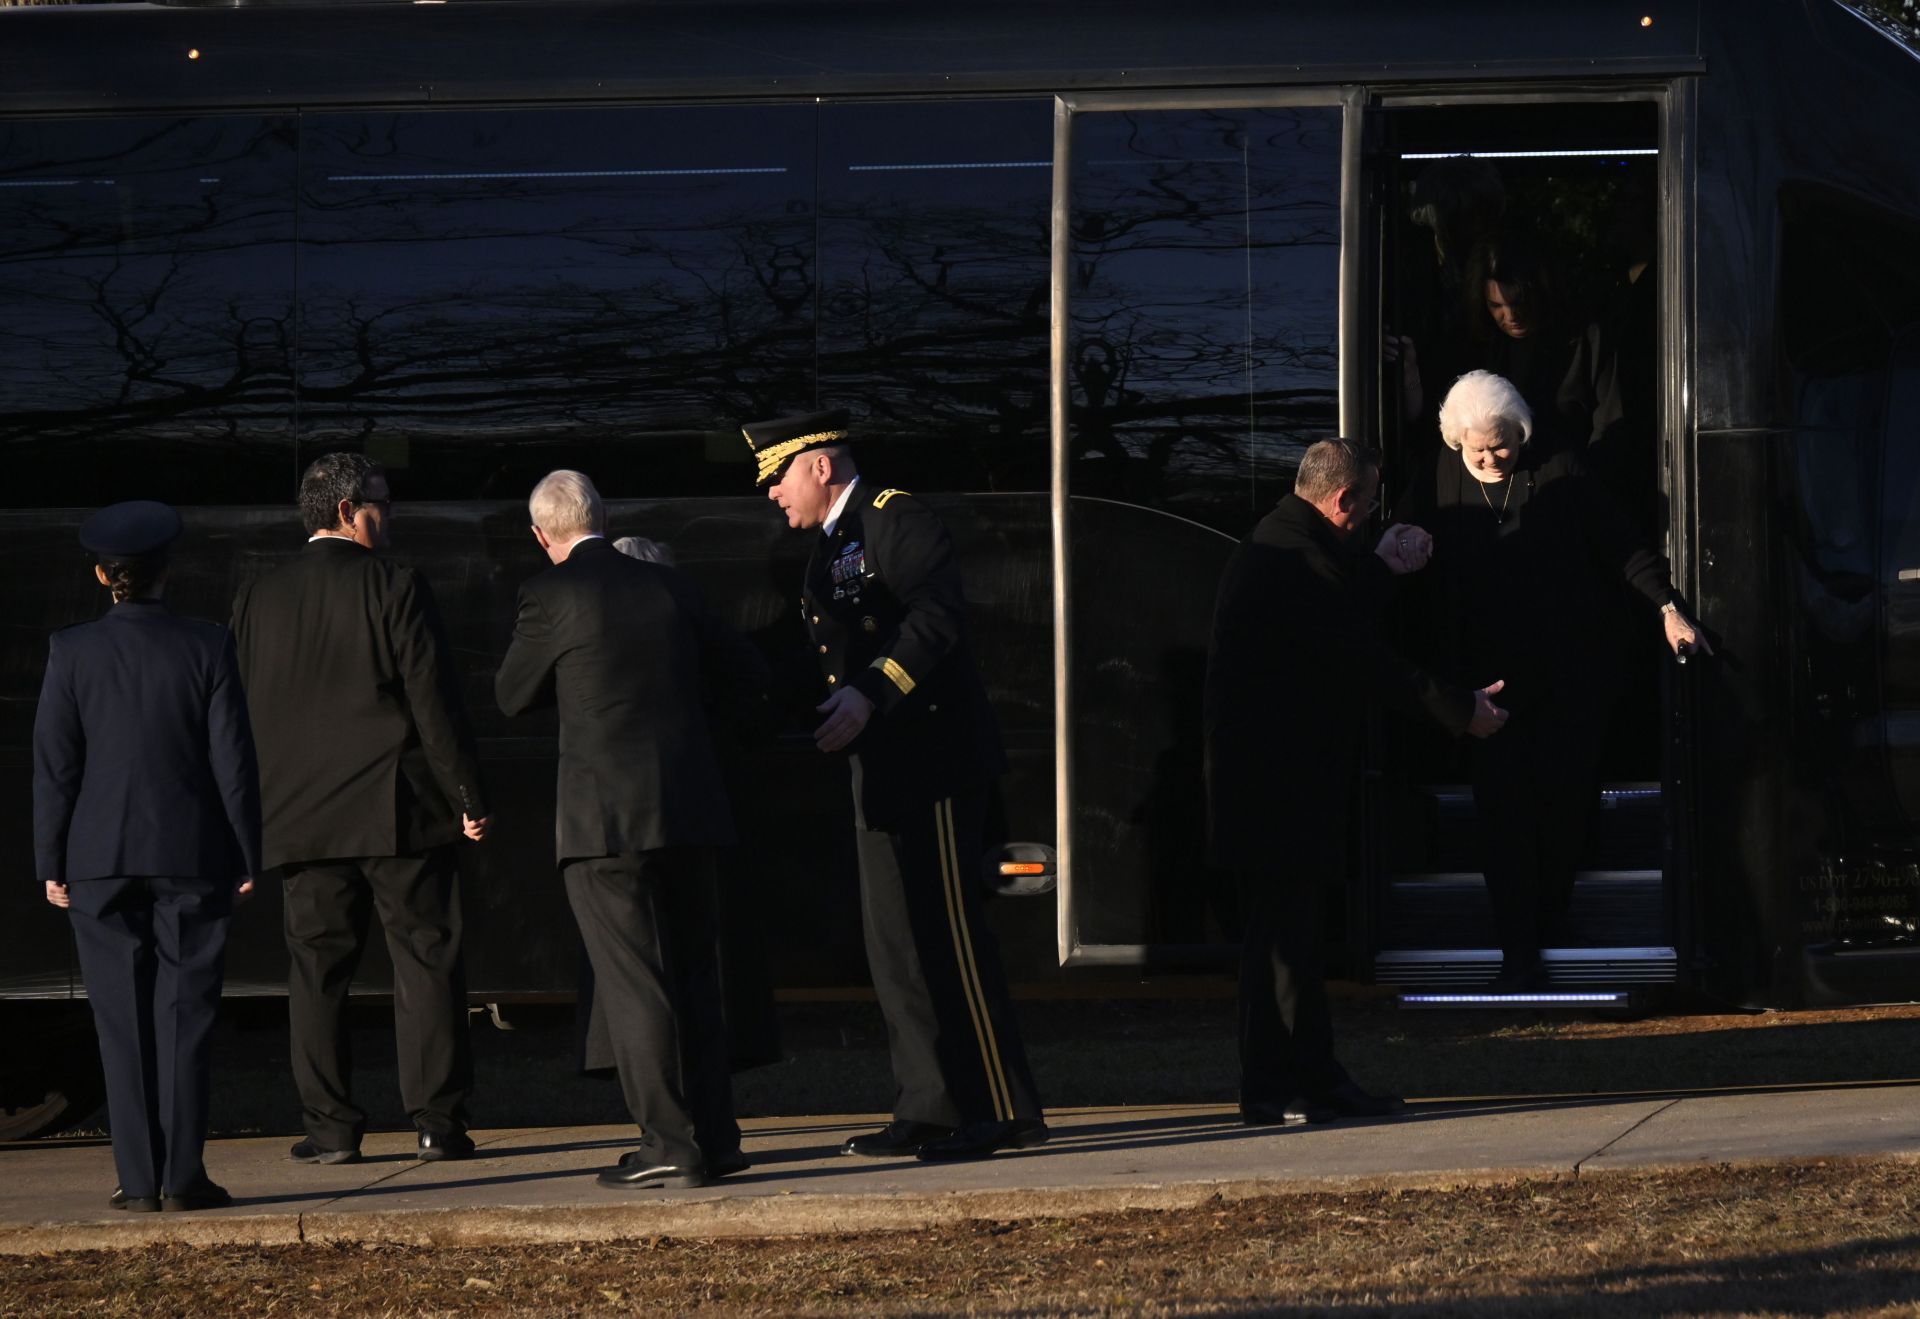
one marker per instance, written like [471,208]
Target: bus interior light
[1530,155]
[1540,999]
[1023,867]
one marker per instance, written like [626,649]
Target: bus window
[1203,287]
[146,310]
[934,294]
[487,295]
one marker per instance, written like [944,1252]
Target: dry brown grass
[1824,1238]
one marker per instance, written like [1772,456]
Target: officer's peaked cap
[126,531]
[778,442]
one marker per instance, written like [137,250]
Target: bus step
[1568,970]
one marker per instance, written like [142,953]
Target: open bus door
[1201,263]
[1580,176]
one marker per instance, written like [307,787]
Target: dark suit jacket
[1295,657]
[143,761]
[887,613]
[633,658]
[364,746]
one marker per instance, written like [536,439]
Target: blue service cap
[126,531]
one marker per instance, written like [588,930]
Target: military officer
[146,822]
[887,616]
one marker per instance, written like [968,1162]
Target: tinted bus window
[489,295]
[934,261]
[146,323]
[1205,282]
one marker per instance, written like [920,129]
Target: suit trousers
[651,927]
[951,1033]
[329,908]
[153,954]
[1286,1025]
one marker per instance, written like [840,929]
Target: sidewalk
[536,1184]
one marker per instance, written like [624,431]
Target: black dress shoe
[1349,1100]
[724,1166]
[1271,1113]
[307,1151]
[896,1140]
[639,1176]
[438,1145]
[205,1194]
[133,1204]
[979,1139]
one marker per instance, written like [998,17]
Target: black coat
[1295,656]
[1526,584]
[634,659]
[887,613]
[364,745]
[143,758]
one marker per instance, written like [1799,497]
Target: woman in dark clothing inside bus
[1527,563]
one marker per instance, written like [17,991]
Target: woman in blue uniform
[146,822]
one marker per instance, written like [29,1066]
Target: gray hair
[566,506]
[1332,466]
[1483,401]
[647,551]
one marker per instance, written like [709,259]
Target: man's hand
[243,890]
[57,894]
[1405,548]
[1399,348]
[475,829]
[1682,636]
[847,712]
[1487,717]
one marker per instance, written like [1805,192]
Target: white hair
[647,551]
[1483,401]
[566,506]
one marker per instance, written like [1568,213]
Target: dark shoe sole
[443,1155]
[329,1156]
[136,1204]
[684,1182]
[186,1204]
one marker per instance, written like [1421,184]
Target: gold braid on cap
[774,455]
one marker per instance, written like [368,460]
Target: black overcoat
[364,745]
[1295,657]
[637,663]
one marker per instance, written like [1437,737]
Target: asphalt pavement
[536,1184]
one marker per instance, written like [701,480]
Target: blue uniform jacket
[143,760]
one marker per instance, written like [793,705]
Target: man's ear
[101,573]
[343,514]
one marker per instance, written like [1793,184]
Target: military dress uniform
[147,809]
[884,608]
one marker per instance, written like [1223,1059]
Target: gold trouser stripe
[895,674]
[950,873]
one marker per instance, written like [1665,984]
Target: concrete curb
[741,1216]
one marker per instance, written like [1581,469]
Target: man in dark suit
[146,827]
[632,656]
[1294,659]
[885,609]
[368,775]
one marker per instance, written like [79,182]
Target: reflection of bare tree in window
[145,272]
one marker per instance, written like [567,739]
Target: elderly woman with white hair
[1529,557]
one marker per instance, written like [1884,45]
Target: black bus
[1090,277]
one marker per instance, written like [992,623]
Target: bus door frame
[1353,323]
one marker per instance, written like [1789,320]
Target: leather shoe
[204,1194]
[308,1151]
[896,1140]
[724,1166]
[639,1176]
[438,1145]
[979,1139]
[133,1204]
[1271,1113]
